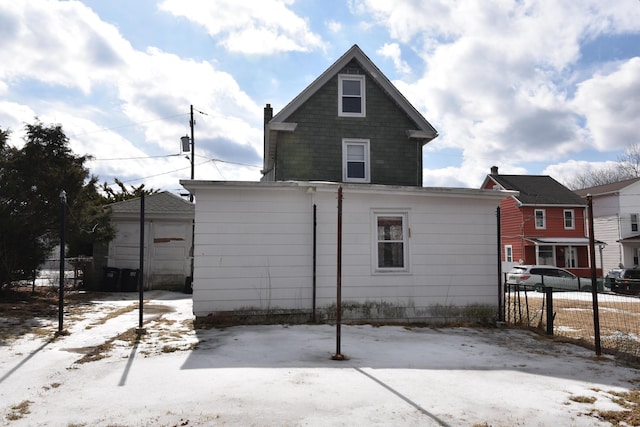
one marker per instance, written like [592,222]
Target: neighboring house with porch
[616,221]
[543,224]
[343,163]
[168,228]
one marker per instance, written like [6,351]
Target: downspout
[313,278]
[499,244]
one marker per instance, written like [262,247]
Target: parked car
[611,277]
[628,282]
[535,277]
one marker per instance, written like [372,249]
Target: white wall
[607,230]
[168,263]
[253,249]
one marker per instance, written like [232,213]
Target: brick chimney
[268,115]
[494,170]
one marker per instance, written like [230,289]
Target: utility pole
[193,154]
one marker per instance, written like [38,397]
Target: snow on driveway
[101,375]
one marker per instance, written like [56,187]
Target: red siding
[554,222]
[511,227]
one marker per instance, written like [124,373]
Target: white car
[536,277]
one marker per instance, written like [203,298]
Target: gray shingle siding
[314,150]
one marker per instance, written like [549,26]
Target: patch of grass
[170,349]
[583,399]
[52,385]
[96,353]
[19,411]
[630,416]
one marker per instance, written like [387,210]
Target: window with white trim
[541,220]
[569,220]
[508,253]
[391,232]
[355,160]
[634,222]
[351,95]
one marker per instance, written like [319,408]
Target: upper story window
[351,95]
[355,160]
[569,220]
[541,220]
[634,222]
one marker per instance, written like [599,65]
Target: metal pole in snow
[594,284]
[63,203]
[140,329]
[338,355]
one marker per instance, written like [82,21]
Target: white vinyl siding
[254,247]
[351,96]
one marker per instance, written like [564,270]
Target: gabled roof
[163,203]
[601,190]
[424,129]
[537,190]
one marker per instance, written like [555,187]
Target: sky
[530,86]
[283,375]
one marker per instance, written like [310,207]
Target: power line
[128,125]
[137,158]
[227,161]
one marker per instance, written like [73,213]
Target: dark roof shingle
[538,190]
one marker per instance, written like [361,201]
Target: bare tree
[630,160]
[628,167]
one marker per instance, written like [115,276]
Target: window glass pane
[355,170]
[389,228]
[355,152]
[351,87]
[390,255]
[390,237]
[351,105]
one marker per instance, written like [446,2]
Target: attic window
[351,95]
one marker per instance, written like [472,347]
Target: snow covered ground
[100,375]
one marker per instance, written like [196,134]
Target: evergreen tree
[31,181]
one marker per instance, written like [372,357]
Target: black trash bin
[110,279]
[188,285]
[129,279]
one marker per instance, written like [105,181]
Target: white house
[616,212]
[268,251]
[168,230]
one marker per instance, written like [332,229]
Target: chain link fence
[572,317]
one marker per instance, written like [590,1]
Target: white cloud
[259,27]
[334,26]
[64,45]
[392,51]
[75,48]
[611,105]
[567,171]
[497,83]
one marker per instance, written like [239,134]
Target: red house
[544,224]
